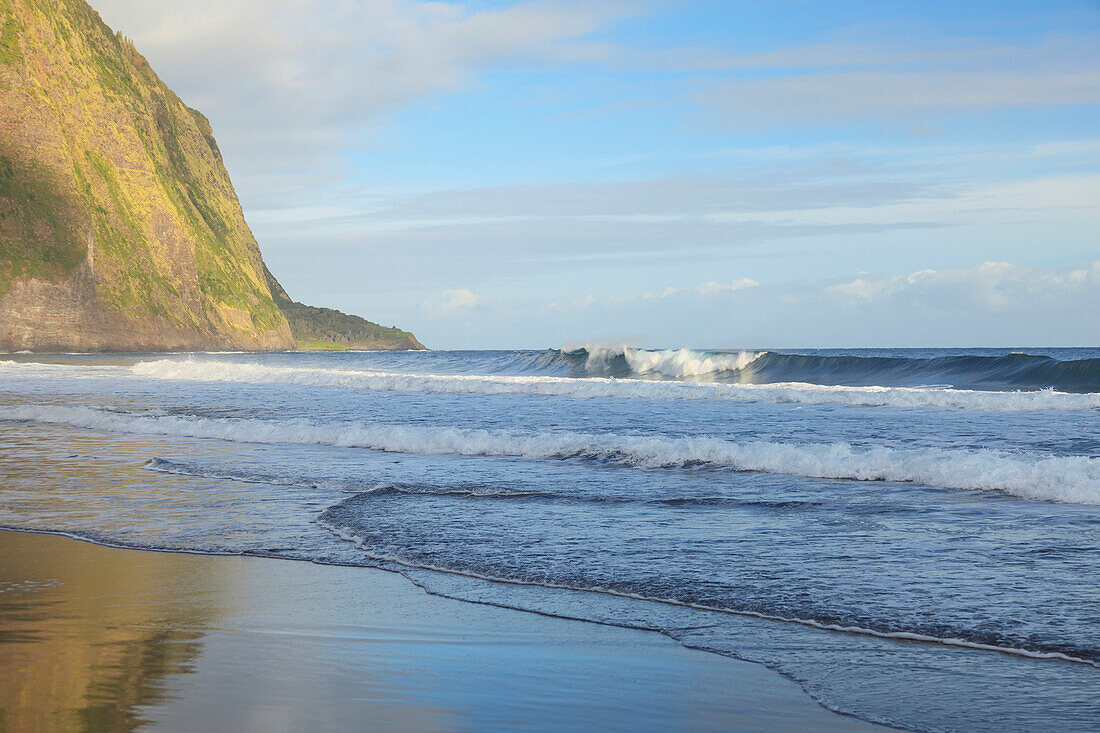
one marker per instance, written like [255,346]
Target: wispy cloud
[989,288]
[575,227]
[901,80]
[812,99]
[611,159]
[874,47]
[994,304]
[711,287]
[449,301]
[291,84]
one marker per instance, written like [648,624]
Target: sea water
[913,536]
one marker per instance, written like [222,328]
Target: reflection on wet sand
[98,486]
[97,638]
[85,645]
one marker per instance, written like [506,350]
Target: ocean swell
[972,371]
[597,387]
[676,363]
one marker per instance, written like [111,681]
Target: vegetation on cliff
[41,241]
[325,329]
[119,225]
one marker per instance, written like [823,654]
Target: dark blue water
[866,522]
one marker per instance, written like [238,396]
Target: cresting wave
[677,363]
[888,368]
[1073,479]
[345,534]
[999,372]
[593,387]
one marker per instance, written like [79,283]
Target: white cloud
[458,299]
[991,287]
[990,304]
[1014,200]
[813,99]
[290,84]
[901,80]
[702,290]
[858,289]
[714,288]
[571,229]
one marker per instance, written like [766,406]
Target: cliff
[325,329]
[120,229]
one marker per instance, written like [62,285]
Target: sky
[545,173]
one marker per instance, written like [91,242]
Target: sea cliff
[120,229]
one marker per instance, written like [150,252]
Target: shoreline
[75,609]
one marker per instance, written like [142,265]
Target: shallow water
[865,522]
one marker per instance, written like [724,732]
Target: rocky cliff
[119,226]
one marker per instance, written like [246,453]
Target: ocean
[911,535]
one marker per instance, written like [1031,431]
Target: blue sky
[709,174]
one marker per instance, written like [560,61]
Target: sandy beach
[98,638]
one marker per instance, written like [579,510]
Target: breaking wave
[592,387]
[1073,479]
[986,370]
[974,371]
[676,363]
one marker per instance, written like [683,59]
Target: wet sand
[96,638]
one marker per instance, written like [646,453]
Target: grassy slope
[125,168]
[42,242]
[325,329]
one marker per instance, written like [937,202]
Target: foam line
[1073,479]
[587,388]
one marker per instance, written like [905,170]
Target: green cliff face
[325,329]
[119,227]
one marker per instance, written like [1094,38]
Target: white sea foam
[45,370]
[1074,479]
[670,362]
[582,388]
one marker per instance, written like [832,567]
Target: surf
[624,388]
[1070,479]
[887,368]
